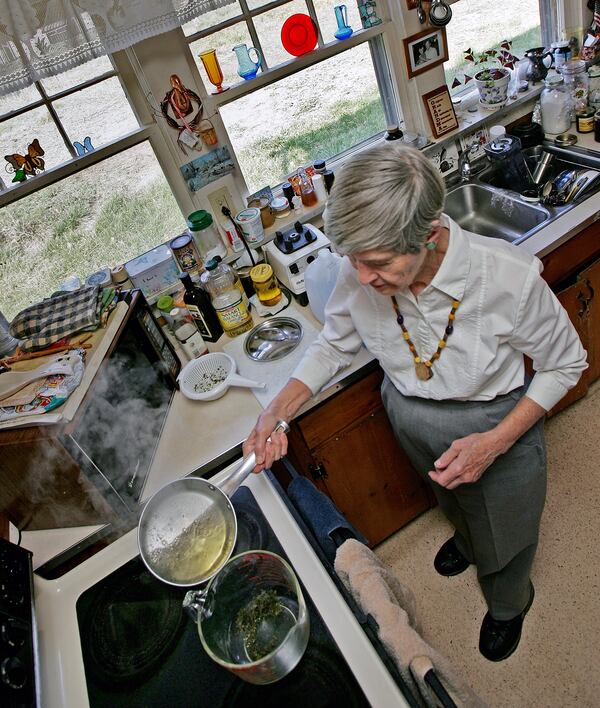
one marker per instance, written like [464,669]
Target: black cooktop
[140,648]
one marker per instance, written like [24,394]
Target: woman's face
[388,272]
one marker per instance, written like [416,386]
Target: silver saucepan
[188,528]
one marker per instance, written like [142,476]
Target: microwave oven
[92,469]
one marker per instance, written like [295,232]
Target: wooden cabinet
[573,271]
[347,447]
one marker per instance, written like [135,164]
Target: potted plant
[492,74]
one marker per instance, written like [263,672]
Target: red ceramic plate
[299,34]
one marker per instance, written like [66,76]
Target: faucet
[464,164]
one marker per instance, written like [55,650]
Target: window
[481,25]
[296,110]
[63,223]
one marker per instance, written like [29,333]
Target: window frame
[374,36]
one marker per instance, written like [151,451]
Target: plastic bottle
[204,233]
[200,308]
[232,311]
[190,339]
[233,237]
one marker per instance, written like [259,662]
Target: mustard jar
[266,285]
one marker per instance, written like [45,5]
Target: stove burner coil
[131,626]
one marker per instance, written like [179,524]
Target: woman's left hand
[465,460]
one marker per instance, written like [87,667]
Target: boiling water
[196,552]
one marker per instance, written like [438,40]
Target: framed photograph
[440,111]
[425,50]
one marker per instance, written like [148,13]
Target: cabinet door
[588,296]
[370,478]
[575,301]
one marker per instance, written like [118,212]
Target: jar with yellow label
[266,285]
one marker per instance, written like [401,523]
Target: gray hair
[384,198]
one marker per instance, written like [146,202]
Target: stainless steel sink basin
[479,205]
[493,212]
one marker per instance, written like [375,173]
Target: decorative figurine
[23,165]
[180,100]
[84,147]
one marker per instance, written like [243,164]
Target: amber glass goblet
[213,69]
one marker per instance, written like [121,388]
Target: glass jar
[577,81]
[281,207]
[561,52]
[594,80]
[555,103]
[307,192]
[202,229]
[266,285]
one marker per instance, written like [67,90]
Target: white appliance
[62,678]
[291,251]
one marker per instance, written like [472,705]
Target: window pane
[18,99]
[99,217]
[327,21]
[76,76]
[268,27]
[223,42]
[211,18]
[516,20]
[17,133]
[101,112]
[316,113]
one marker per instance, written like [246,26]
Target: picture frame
[440,111]
[425,50]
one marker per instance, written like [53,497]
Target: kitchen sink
[480,205]
[493,212]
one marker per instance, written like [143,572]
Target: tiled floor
[558,660]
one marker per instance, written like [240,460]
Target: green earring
[430,245]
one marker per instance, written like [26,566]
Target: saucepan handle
[230,484]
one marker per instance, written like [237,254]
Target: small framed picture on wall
[425,50]
[440,111]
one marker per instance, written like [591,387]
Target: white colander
[208,377]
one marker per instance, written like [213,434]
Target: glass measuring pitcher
[247,68]
[341,17]
[252,618]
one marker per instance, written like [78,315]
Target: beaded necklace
[423,368]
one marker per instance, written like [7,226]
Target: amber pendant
[424,373]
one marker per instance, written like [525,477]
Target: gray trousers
[496,519]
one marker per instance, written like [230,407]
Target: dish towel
[392,605]
[321,515]
[49,321]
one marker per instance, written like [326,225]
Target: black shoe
[499,638]
[449,560]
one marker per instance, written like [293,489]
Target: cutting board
[275,374]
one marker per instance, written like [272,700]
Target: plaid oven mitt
[47,322]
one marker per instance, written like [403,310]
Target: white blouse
[506,310]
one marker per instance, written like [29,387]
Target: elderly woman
[449,315]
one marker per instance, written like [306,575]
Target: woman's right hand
[283,407]
[267,445]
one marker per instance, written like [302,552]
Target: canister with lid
[594,96]
[202,228]
[265,284]
[251,224]
[556,106]
[187,255]
[577,81]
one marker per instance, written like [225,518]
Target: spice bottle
[198,304]
[307,191]
[226,299]
[187,334]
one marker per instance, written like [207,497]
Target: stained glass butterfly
[84,147]
[29,164]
